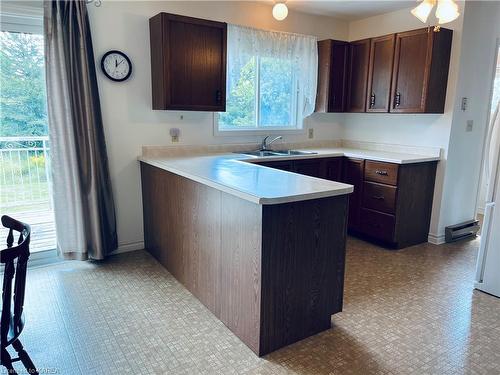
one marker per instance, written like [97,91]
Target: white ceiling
[348,10]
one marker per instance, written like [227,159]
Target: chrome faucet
[265,144]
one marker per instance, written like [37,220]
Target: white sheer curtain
[300,50]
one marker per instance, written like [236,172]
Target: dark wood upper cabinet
[332,77]
[378,94]
[420,73]
[188,63]
[359,54]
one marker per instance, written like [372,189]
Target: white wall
[126,107]
[480,32]
[408,129]
[130,123]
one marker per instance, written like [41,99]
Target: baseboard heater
[461,231]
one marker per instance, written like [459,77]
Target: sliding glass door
[24,143]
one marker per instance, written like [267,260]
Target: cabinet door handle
[372,100]
[382,173]
[397,99]
[378,197]
[218,96]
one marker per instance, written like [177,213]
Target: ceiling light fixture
[280,10]
[447,10]
[423,11]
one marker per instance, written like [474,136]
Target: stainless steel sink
[277,153]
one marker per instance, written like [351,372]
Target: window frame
[14,20]
[298,128]
[18,18]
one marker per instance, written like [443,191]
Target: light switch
[464,104]
[470,125]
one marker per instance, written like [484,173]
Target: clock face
[116,66]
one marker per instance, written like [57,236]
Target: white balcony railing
[25,188]
[24,171]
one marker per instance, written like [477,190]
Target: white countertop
[383,156]
[237,175]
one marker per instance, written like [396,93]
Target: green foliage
[22,85]
[276,92]
[275,100]
[22,168]
[240,103]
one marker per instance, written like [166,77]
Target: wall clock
[116,66]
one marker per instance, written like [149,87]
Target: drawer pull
[382,173]
[378,197]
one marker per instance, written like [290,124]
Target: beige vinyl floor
[408,312]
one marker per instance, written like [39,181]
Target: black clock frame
[125,57]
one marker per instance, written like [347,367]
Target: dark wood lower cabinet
[391,203]
[353,172]
[397,202]
[377,225]
[327,168]
[273,274]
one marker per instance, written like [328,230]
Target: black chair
[15,259]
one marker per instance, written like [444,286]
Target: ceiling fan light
[447,11]
[423,10]
[280,11]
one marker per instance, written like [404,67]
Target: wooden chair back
[15,259]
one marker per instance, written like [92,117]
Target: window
[24,143]
[265,96]
[270,85]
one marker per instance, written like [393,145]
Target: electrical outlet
[470,125]
[175,133]
[310,133]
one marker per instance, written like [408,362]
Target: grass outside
[23,198]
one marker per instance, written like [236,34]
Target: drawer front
[379,197]
[386,173]
[378,225]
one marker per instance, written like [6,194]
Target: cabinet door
[188,63]
[359,53]
[313,167]
[284,165]
[353,174]
[378,94]
[332,76]
[411,71]
[338,77]
[333,169]
[197,66]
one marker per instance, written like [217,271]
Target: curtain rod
[97,3]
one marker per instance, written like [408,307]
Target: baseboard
[131,246]
[436,239]
[43,258]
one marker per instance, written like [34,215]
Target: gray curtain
[83,200]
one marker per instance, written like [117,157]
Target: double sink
[264,153]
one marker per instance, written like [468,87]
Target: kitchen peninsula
[261,247]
